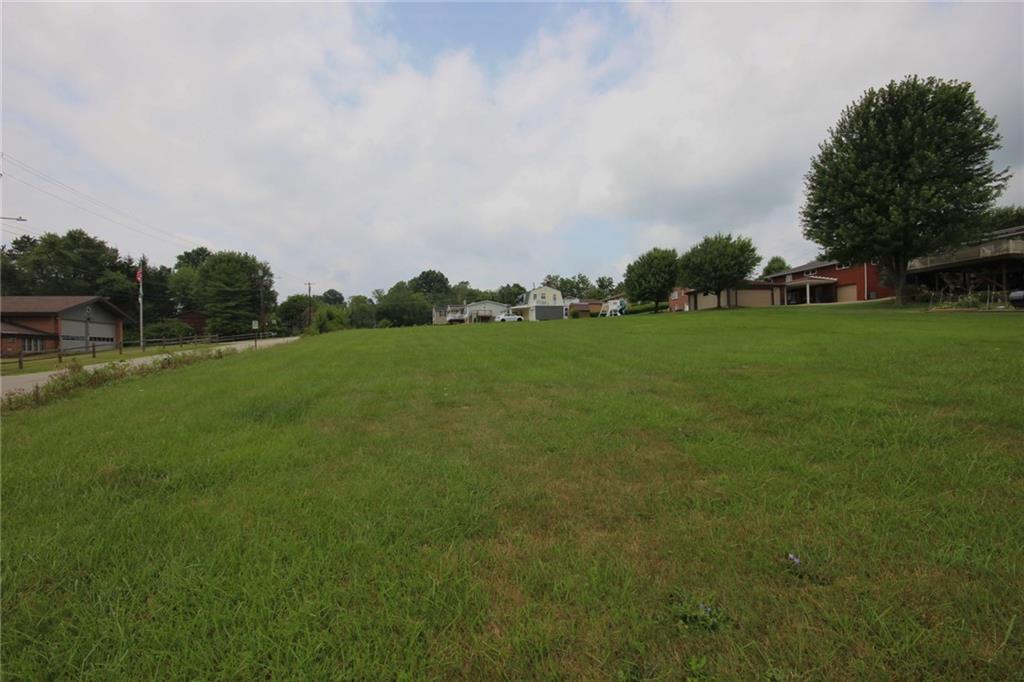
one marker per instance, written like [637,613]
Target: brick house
[38,323]
[829,281]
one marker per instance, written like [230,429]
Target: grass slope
[579,499]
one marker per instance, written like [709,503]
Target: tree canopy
[905,172]
[652,276]
[229,287]
[774,264]
[717,263]
[333,297]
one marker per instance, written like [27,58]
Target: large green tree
[192,258]
[905,172]
[1003,217]
[233,289]
[333,297]
[508,293]
[774,264]
[434,286]
[404,307]
[652,276]
[362,312]
[717,263]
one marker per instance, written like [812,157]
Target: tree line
[411,302]
[229,288]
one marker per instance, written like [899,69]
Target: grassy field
[612,498]
[9,367]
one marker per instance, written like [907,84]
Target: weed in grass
[689,613]
[798,568]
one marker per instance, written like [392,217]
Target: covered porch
[811,289]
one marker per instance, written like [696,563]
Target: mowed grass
[584,499]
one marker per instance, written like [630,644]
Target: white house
[542,303]
[484,311]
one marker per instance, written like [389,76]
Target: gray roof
[814,264]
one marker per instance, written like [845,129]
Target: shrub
[75,377]
[168,329]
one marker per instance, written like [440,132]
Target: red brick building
[830,282]
[39,323]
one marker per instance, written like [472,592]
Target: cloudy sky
[355,145]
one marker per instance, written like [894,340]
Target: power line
[43,176]
[80,207]
[284,274]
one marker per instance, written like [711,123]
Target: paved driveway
[26,382]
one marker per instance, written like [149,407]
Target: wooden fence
[28,357]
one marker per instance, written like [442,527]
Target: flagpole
[142,333]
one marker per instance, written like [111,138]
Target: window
[811,273]
[842,266]
[674,295]
[543,296]
[535,297]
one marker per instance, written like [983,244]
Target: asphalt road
[26,382]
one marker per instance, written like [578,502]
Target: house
[484,311]
[449,314]
[752,294]
[477,311]
[996,261]
[582,307]
[70,323]
[542,303]
[829,281]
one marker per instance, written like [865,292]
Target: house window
[843,266]
[789,278]
[535,297]
[674,295]
[543,297]
[811,273]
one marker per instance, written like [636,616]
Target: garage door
[846,293]
[101,333]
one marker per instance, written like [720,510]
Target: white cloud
[300,133]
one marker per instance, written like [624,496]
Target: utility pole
[138,278]
[309,307]
[262,323]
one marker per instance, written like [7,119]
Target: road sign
[255,324]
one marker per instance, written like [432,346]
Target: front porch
[811,289]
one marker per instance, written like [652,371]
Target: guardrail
[163,343]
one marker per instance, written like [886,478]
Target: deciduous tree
[905,172]
[717,263]
[652,276]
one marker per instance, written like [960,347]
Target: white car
[508,317]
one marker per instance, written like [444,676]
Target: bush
[168,329]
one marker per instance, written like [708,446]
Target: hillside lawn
[605,498]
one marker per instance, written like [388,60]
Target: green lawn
[9,367]
[607,498]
